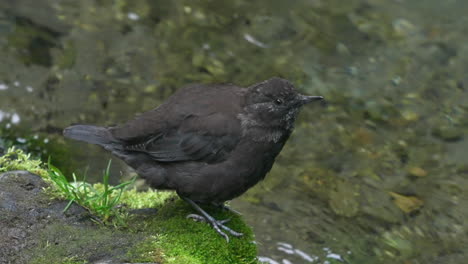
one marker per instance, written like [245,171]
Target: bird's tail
[88,133]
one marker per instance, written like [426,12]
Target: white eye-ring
[278,101]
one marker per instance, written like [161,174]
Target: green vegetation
[16,159]
[181,241]
[102,202]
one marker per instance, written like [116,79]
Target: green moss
[176,239]
[16,159]
[145,199]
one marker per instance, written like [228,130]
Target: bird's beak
[305,99]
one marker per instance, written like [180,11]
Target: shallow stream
[379,175]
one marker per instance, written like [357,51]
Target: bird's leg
[225,207]
[216,224]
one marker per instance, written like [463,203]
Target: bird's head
[275,103]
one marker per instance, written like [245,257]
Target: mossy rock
[166,237]
[75,236]
[175,239]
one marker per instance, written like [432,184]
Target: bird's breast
[245,166]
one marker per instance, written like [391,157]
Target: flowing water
[379,175]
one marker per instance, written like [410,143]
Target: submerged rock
[448,133]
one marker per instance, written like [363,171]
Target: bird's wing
[190,125]
[198,138]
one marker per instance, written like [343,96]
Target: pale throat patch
[261,131]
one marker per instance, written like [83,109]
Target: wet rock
[343,201]
[448,133]
[381,111]
[32,223]
[22,211]
[407,204]
[378,205]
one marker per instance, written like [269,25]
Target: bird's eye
[278,101]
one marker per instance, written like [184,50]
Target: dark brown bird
[209,143]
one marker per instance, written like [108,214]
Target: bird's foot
[218,225]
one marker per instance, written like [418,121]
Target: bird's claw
[217,225]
